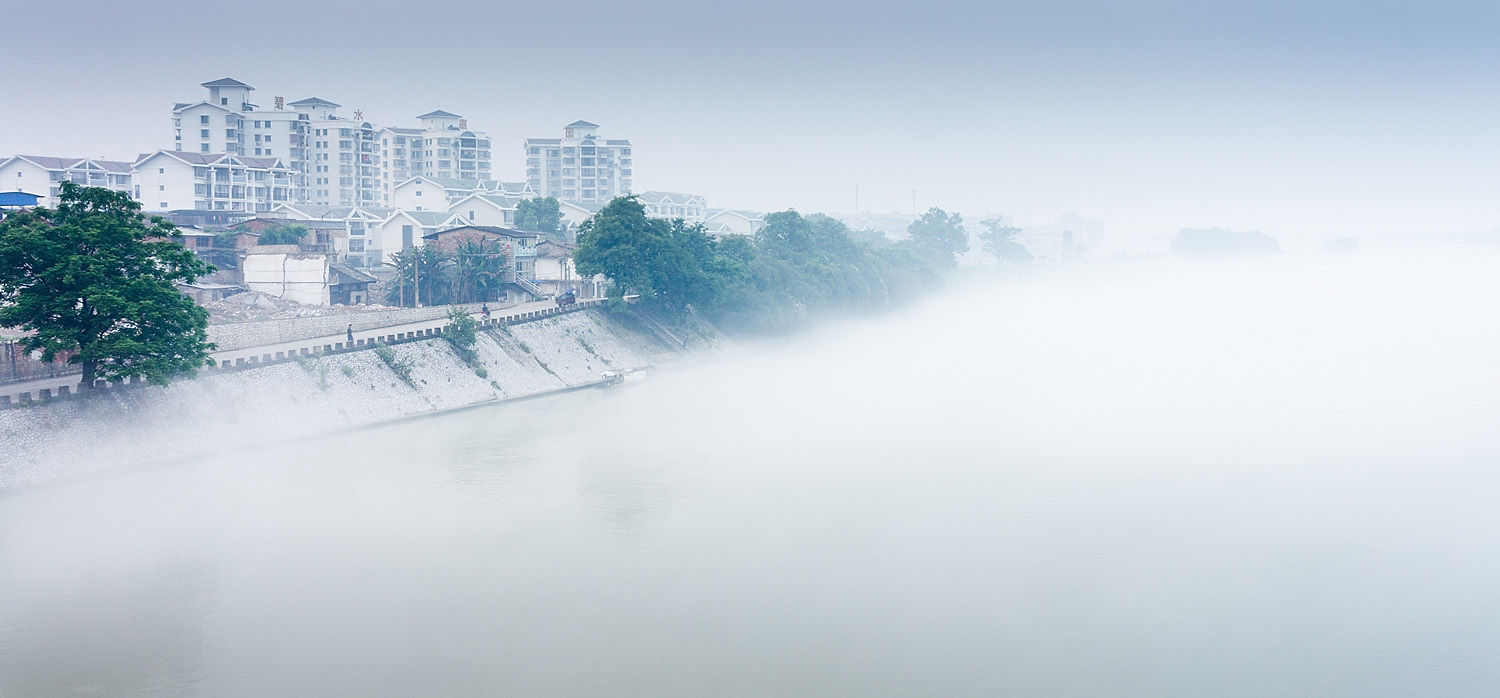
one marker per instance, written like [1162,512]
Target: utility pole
[416,272]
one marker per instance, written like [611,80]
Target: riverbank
[321,394]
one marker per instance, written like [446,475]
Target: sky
[1305,120]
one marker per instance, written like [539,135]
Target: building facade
[43,176]
[580,166]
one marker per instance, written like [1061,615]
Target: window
[419,192]
[161,170]
[405,237]
[203,133]
[205,147]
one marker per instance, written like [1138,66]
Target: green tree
[283,234]
[999,239]
[479,268]
[539,216]
[624,245]
[425,265]
[939,236]
[95,277]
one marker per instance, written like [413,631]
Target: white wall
[296,277]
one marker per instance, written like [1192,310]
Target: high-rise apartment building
[580,166]
[336,160]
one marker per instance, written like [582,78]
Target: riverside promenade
[244,357]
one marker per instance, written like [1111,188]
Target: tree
[427,265]
[939,236]
[479,267]
[624,245]
[283,234]
[95,277]
[1000,240]
[539,216]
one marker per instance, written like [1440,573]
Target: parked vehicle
[568,298]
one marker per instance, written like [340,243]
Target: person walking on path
[350,333]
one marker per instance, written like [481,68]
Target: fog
[1151,478]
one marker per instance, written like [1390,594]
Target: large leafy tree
[939,236]
[999,239]
[539,216]
[95,278]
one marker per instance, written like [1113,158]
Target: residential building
[44,176]
[169,180]
[721,222]
[403,230]
[580,166]
[672,205]
[227,122]
[519,246]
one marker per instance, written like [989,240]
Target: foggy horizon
[1303,121]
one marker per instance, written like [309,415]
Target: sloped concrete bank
[322,394]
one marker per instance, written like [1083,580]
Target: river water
[1133,480]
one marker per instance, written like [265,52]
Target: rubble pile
[253,305]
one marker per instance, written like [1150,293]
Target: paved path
[42,388]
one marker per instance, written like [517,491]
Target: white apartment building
[169,180]
[443,147]
[580,166]
[671,205]
[44,176]
[227,122]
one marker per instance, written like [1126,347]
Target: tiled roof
[50,163]
[581,124]
[439,114]
[617,142]
[543,141]
[403,130]
[227,82]
[490,229]
[352,275]
[313,102]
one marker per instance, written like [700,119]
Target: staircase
[529,287]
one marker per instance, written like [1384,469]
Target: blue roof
[18,198]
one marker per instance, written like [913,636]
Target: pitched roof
[352,275]
[581,124]
[313,102]
[402,129]
[617,142]
[428,218]
[227,82]
[48,163]
[489,229]
[668,197]
[439,114]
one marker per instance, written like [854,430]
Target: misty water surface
[1150,479]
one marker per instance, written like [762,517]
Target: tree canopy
[794,268]
[999,239]
[283,234]
[939,236]
[539,215]
[94,278]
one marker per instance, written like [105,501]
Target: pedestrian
[485,308]
[350,333]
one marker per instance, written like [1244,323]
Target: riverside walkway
[232,359]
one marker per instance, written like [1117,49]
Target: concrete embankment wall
[314,395]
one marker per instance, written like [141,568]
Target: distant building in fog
[671,205]
[580,166]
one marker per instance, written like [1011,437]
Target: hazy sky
[1302,119]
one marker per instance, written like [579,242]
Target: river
[1125,480]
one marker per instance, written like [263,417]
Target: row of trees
[474,270]
[792,269]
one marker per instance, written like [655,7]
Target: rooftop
[227,82]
